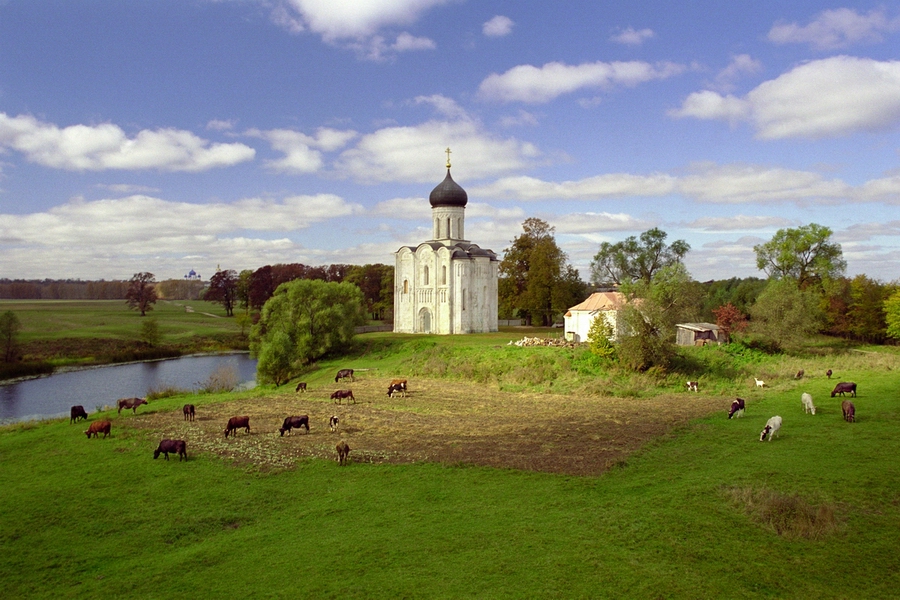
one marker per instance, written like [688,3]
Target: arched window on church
[449,236]
[425,276]
[406,286]
[444,275]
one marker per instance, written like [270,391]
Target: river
[95,387]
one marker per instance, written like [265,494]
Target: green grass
[694,515]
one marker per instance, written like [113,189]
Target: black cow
[301,387]
[844,387]
[333,423]
[178,447]
[341,394]
[342,374]
[77,412]
[737,408]
[189,412]
[294,423]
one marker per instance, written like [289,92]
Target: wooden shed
[698,334]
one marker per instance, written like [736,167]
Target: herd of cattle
[179,447]
[773,425]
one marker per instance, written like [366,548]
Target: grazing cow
[828,373]
[849,411]
[844,387]
[737,408]
[333,423]
[343,451]
[301,387]
[808,406]
[75,413]
[693,386]
[344,373]
[189,411]
[397,385]
[771,428]
[294,423]
[759,382]
[131,403]
[98,427]
[799,374]
[235,423]
[178,447]
[341,394]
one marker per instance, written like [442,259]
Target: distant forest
[76,289]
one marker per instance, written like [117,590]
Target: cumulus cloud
[357,25]
[101,238]
[106,146]
[824,98]
[445,106]
[613,185]
[302,153]
[741,184]
[740,65]
[593,222]
[498,26]
[536,85]
[632,37]
[738,223]
[415,153]
[838,28]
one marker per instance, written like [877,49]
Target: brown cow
[294,423]
[301,387]
[98,427]
[235,423]
[189,411]
[344,373]
[844,387]
[397,385]
[341,394]
[178,447]
[849,411]
[77,412]
[343,451]
[131,403]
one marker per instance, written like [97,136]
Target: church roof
[448,193]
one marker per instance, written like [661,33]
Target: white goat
[771,428]
[808,405]
[759,382]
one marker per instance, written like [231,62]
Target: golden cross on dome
[448,157]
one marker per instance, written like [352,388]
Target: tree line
[76,289]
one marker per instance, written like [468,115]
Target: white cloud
[527,83]
[445,106]
[838,28]
[741,184]
[498,26]
[614,185]
[106,146]
[738,223]
[591,222]
[824,98]
[520,118]
[219,125]
[416,153]
[740,65]
[357,24]
[302,153]
[632,37]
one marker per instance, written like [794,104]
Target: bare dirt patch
[438,421]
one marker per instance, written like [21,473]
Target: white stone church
[446,285]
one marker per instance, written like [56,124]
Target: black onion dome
[448,193]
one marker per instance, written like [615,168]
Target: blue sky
[165,136]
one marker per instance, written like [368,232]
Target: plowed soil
[438,421]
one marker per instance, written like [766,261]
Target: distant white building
[446,285]
[580,317]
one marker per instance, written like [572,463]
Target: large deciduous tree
[10,325]
[536,281]
[223,288]
[303,321]
[635,259]
[805,254]
[377,285]
[141,294]
[786,315]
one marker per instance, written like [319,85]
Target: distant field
[448,493]
[91,331]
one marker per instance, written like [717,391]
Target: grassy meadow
[703,511]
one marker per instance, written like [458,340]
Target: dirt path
[440,421]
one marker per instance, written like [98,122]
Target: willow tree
[304,320]
[636,258]
[805,254]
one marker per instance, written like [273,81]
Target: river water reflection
[53,396]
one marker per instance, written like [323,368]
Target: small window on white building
[425,276]
[406,286]
[444,275]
